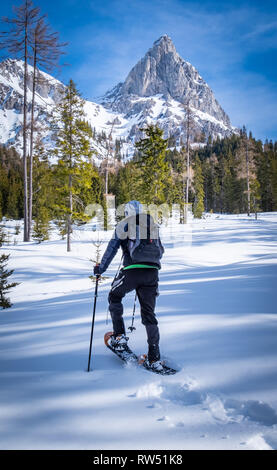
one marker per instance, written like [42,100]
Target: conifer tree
[155,171]
[72,149]
[198,185]
[246,165]
[264,176]
[207,175]
[274,183]
[41,228]
[11,183]
[2,236]
[182,183]
[43,193]
[4,189]
[255,196]
[5,287]
[228,184]
[14,196]
[126,182]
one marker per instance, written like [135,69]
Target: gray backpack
[144,244]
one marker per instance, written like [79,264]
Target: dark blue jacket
[112,249]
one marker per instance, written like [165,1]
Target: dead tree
[109,154]
[16,41]
[46,51]
[189,126]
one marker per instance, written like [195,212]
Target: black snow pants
[145,282]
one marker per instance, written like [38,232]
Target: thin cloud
[221,39]
[261,29]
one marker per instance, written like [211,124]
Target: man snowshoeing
[138,237]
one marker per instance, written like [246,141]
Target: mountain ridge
[163,72]
[156,91]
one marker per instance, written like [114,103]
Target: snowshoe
[119,346]
[158,367]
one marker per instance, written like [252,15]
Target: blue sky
[233,44]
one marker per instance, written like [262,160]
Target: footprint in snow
[153,405]
[163,418]
[253,410]
[182,394]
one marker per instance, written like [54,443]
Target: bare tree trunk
[188,175]
[17,40]
[31,151]
[188,160]
[188,126]
[107,178]
[69,220]
[110,138]
[183,203]
[25,169]
[247,178]
[46,51]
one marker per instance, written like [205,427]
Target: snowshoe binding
[158,367]
[119,346]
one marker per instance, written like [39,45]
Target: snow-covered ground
[218,323]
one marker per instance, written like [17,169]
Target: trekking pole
[132,327]
[118,269]
[93,318]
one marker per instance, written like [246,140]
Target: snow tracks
[203,419]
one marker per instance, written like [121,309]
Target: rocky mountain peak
[155,91]
[154,73]
[164,43]
[163,75]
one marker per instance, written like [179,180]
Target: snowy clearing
[218,324]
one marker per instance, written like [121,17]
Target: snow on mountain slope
[48,95]
[11,99]
[217,317]
[155,91]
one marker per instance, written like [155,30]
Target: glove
[96,270]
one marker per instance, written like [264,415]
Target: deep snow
[218,323]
